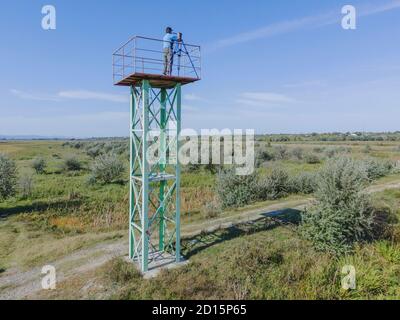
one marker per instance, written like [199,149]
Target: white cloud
[263,99]
[33,96]
[301,23]
[304,84]
[73,94]
[192,97]
[92,95]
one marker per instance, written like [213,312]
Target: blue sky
[273,66]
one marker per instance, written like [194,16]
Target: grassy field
[64,213]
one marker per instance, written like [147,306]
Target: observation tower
[155,124]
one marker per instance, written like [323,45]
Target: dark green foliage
[376,169]
[276,185]
[264,155]
[8,177]
[304,183]
[312,158]
[234,190]
[72,163]
[342,214]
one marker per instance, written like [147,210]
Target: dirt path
[15,284]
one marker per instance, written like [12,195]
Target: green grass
[268,260]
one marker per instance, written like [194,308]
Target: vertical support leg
[145,177]
[178,173]
[131,191]
[163,165]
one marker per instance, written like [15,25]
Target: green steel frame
[154,185]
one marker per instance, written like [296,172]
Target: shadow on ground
[39,206]
[269,221]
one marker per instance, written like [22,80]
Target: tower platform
[142,58]
[155,80]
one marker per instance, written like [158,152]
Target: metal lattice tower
[155,126]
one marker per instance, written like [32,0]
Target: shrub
[312,158]
[234,190]
[26,185]
[71,163]
[93,152]
[318,149]
[331,152]
[264,155]
[39,165]
[304,182]
[276,185]
[298,153]
[281,153]
[108,168]
[342,214]
[377,168]
[8,176]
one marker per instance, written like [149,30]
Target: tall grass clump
[234,190]
[342,214]
[108,168]
[8,177]
[39,165]
[26,185]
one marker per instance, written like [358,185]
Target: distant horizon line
[55,137]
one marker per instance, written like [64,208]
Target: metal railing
[146,56]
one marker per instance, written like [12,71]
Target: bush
[94,152]
[281,153]
[331,152]
[234,190]
[298,153]
[26,185]
[108,168]
[275,186]
[342,214]
[39,165]
[8,177]
[312,158]
[71,163]
[264,155]
[377,168]
[304,182]
[318,149]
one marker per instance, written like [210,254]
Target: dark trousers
[168,61]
